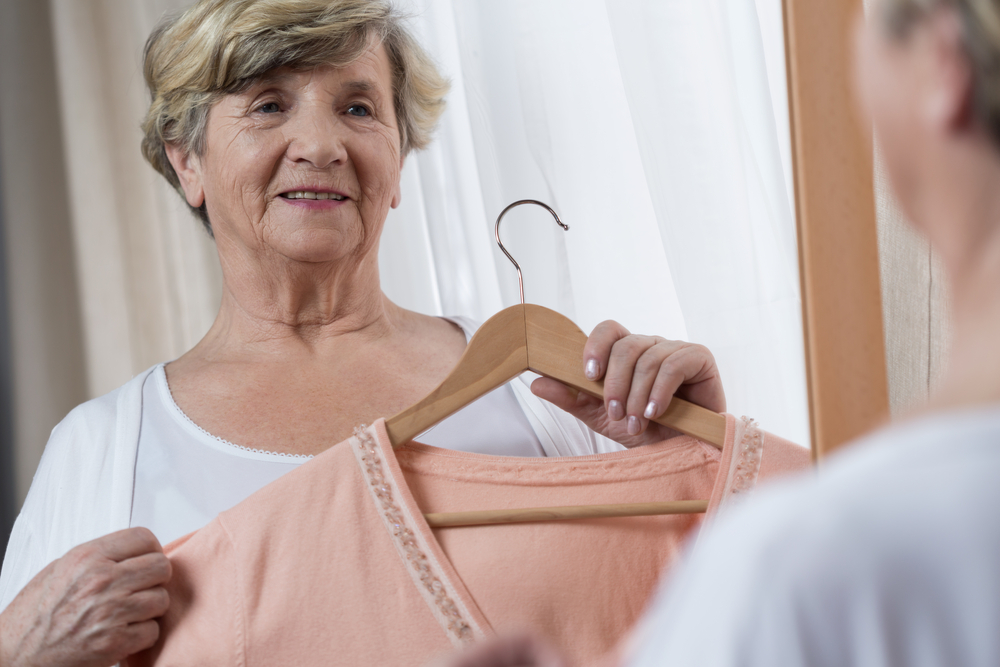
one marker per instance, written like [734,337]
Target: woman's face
[888,85]
[304,164]
[916,90]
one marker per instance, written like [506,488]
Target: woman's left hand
[641,375]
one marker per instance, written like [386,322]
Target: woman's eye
[270,107]
[358,110]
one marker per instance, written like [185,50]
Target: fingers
[556,393]
[125,544]
[597,350]
[643,373]
[142,572]
[93,606]
[586,408]
[659,373]
[142,606]
[690,370]
[652,372]
[138,637]
[622,399]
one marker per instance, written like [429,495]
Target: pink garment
[333,564]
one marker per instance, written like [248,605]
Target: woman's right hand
[93,607]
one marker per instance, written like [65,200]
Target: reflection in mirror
[659,132]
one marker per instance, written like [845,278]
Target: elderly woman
[284,125]
[890,556]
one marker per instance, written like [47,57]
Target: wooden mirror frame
[833,162]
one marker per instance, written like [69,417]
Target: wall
[47,370]
[914,304]
[8,473]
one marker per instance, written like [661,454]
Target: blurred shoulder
[882,488]
[892,531]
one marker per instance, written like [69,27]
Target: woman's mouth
[307,194]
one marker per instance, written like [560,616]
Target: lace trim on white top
[161,377]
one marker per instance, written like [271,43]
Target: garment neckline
[429,460]
[159,376]
[383,473]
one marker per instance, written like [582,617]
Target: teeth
[304,194]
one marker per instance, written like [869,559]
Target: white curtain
[658,129]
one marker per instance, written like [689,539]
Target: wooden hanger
[528,337]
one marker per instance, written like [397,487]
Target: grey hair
[980,39]
[220,47]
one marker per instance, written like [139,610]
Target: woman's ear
[948,77]
[188,170]
[397,196]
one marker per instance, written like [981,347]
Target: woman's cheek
[379,184]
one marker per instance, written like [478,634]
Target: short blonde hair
[980,38]
[219,47]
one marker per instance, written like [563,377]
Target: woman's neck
[296,305]
[973,365]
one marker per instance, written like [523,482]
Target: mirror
[658,130]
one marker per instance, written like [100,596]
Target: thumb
[586,408]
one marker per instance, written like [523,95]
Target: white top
[86,480]
[179,497]
[890,557]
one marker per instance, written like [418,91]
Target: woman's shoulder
[82,487]
[92,422]
[90,452]
[85,449]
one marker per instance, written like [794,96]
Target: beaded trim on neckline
[745,466]
[425,572]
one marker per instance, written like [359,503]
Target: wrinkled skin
[91,608]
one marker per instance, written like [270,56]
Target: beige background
[49,375]
[107,271]
[914,304]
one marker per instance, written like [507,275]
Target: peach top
[334,564]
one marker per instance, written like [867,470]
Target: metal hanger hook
[520,280]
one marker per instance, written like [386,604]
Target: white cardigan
[85,481]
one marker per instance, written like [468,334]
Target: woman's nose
[316,137]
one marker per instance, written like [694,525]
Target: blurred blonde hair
[981,40]
[219,47]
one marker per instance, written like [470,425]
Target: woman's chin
[317,245]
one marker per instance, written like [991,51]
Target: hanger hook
[520,280]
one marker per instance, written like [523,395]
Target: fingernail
[633,425]
[591,369]
[651,410]
[615,411]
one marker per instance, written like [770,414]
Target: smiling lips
[308,194]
